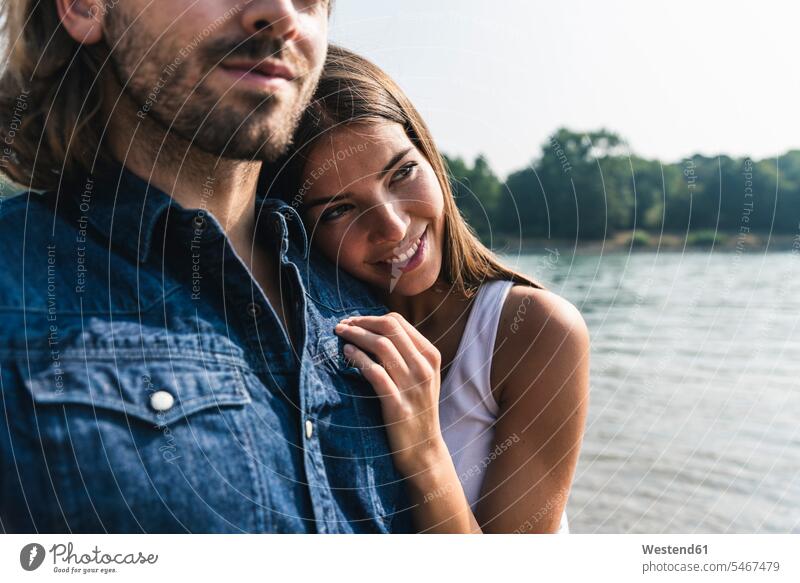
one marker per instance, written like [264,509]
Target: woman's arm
[540,371]
[406,378]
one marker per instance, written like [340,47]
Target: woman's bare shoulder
[540,335]
[531,310]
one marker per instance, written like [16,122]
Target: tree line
[589,186]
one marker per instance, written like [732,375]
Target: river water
[694,419]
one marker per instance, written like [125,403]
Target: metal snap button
[162,401]
[309,429]
[254,310]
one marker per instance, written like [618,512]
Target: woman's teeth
[405,256]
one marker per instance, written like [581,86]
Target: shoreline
[643,241]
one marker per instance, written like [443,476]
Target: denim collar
[126,210]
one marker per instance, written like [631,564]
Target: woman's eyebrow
[326,199]
[395,159]
[389,165]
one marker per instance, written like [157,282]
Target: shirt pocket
[157,393]
[153,445]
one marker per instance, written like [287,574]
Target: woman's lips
[412,262]
[417,258]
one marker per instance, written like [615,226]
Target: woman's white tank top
[467,408]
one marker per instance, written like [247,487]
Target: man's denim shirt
[140,394]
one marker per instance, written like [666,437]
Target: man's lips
[267,74]
[266,68]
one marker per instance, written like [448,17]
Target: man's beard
[175,97]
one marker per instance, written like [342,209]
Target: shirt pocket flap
[160,392]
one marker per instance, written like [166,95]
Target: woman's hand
[406,377]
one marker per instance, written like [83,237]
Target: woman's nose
[388,223]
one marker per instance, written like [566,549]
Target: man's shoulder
[24,218]
[335,289]
[34,213]
[31,228]
[25,211]
[12,207]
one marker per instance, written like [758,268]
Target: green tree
[580,187]
[477,192]
[588,186]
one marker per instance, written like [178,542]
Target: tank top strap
[477,346]
[484,317]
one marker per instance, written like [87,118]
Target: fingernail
[348,349]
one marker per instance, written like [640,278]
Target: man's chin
[263,129]
[236,136]
[239,124]
[266,150]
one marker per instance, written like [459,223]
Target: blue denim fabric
[111,293]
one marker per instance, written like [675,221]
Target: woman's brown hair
[353,89]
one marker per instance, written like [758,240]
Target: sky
[672,78]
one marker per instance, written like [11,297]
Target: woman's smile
[409,259]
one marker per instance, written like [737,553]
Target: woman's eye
[404,172]
[335,212]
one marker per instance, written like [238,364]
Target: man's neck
[194,178]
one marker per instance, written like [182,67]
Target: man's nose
[388,222]
[277,17]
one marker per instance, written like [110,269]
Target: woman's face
[373,206]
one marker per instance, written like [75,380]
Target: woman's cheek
[355,249]
[326,242]
[430,193]
[342,247]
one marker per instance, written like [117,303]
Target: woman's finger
[390,328]
[382,347]
[393,323]
[424,345]
[374,373]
